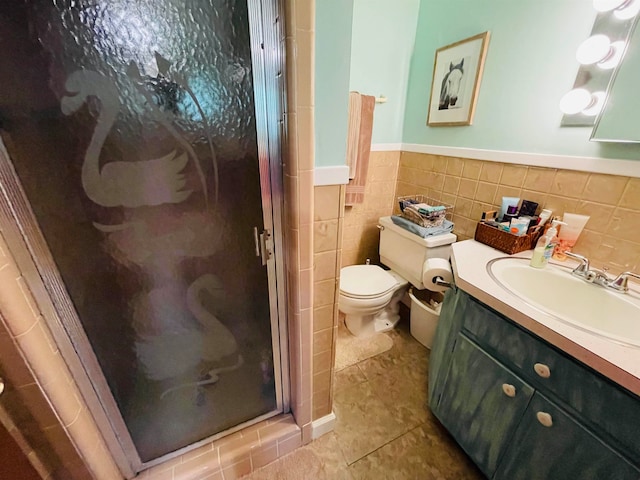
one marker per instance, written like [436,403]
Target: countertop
[619,363]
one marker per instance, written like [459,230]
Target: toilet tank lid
[365,280]
[429,242]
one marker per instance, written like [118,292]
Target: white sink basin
[556,292]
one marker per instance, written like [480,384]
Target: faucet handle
[583,268]
[620,283]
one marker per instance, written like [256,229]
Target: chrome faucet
[593,275]
[581,270]
[620,283]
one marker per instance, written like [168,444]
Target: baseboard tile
[323,425]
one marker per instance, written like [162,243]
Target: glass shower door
[132,130]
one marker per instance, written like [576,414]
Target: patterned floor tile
[422,454]
[347,377]
[384,429]
[364,422]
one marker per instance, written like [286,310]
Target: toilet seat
[365,281]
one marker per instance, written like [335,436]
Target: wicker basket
[504,241]
[425,221]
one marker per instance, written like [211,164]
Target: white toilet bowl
[369,298]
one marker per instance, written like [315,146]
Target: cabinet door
[450,323]
[550,445]
[481,403]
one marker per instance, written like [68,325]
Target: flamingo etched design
[128,184]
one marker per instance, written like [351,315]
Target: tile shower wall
[35,372]
[328,222]
[298,200]
[360,238]
[610,237]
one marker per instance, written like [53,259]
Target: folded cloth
[407,201]
[423,232]
[412,214]
[425,209]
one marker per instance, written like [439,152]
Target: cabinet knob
[509,390]
[542,370]
[544,418]
[1,385]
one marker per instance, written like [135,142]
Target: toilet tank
[405,252]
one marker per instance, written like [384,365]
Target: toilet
[370,296]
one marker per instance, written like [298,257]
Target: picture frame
[457,70]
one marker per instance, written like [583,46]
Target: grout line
[384,445]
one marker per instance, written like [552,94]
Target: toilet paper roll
[434,268]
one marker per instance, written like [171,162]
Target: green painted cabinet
[522,409]
[550,445]
[482,403]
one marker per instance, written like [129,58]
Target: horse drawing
[451,86]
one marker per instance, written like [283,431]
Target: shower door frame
[27,244]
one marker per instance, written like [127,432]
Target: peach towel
[358,144]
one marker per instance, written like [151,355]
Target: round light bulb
[629,11]
[594,49]
[597,102]
[574,101]
[612,61]
[608,5]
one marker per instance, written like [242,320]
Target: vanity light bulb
[597,102]
[612,61]
[629,11]
[575,101]
[608,5]
[594,49]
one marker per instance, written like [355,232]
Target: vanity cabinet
[549,444]
[522,409]
[482,403]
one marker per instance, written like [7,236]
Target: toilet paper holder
[437,275]
[438,280]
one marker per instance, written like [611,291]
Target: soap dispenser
[537,259]
[544,246]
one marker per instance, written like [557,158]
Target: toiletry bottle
[569,234]
[544,247]
[506,203]
[545,215]
[538,259]
[552,235]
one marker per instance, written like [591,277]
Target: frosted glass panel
[131,127]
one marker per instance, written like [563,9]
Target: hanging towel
[358,144]
[355,105]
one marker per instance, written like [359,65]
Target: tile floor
[384,429]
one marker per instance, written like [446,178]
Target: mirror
[619,120]
[599,56]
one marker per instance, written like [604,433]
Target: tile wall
[233,456]
[40,398]
[298,159]
[611,237]
[328,225]
[360,233]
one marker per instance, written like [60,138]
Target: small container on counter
[569,233]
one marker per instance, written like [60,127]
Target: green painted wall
[530,65]
[332,65]
[381,47]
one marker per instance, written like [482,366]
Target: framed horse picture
[457,70]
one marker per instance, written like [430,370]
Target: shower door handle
[256,240]
[262,246]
